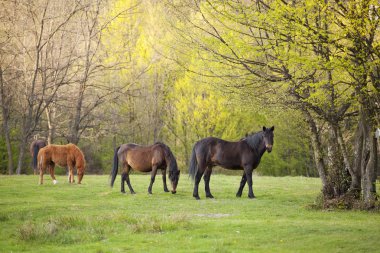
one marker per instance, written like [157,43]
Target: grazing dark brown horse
[63,155]
[145,159]
[35,146]
[242,155]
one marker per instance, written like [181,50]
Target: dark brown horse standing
[63,155]
[145,159]
[35,146]
[242,155]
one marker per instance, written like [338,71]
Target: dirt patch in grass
[213,215]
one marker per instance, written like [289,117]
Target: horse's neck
[260,147]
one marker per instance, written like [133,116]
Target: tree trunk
[23,144]
[337,176]
[317,149]
[74,131]
[9,147]
[368,159]
[51,128]
[156,127]
[356,167]
[4,103]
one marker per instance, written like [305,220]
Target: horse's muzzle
[269,148]
[174,192]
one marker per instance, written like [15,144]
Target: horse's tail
[36,148]
[39,160]
[193,167]
[115,166]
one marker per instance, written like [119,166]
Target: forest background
[103,73]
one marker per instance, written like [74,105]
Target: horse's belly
[143,167]
[60,160]
[230,166]
[227,162]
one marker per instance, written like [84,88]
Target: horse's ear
[264,128]
[272,128]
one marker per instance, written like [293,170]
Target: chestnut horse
[63,155]
[35,146]
[242,155]
[145,159]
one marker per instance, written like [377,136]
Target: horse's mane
[253,139]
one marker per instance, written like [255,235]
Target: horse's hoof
[123,192]
[197,197]
[238,195]
[209,196]
[133,192]
[166,190]
[174,192]
[55,181]
[252,197]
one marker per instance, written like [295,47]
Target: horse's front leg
[248,173]
[206,178]
[164,180]
[71,174]
[152,178]
[242,184]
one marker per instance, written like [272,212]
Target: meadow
[93,217]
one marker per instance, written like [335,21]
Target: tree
[314,56]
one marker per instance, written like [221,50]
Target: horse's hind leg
[198,176]
[125,177]
[152,178]
[206,178]
[242,184]
[42,170]
[51,169]
[164,180]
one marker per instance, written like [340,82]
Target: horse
[35,146]
[145,159]
[244,154]
[63,155]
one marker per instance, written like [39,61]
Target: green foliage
[27,169]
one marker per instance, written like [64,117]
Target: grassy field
[92,217]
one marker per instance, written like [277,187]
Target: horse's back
[63,155]
[213,151]
[142,158]
[214,143]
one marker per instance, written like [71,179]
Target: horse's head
[174,177]
[268,138]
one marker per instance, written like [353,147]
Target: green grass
[92,217]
